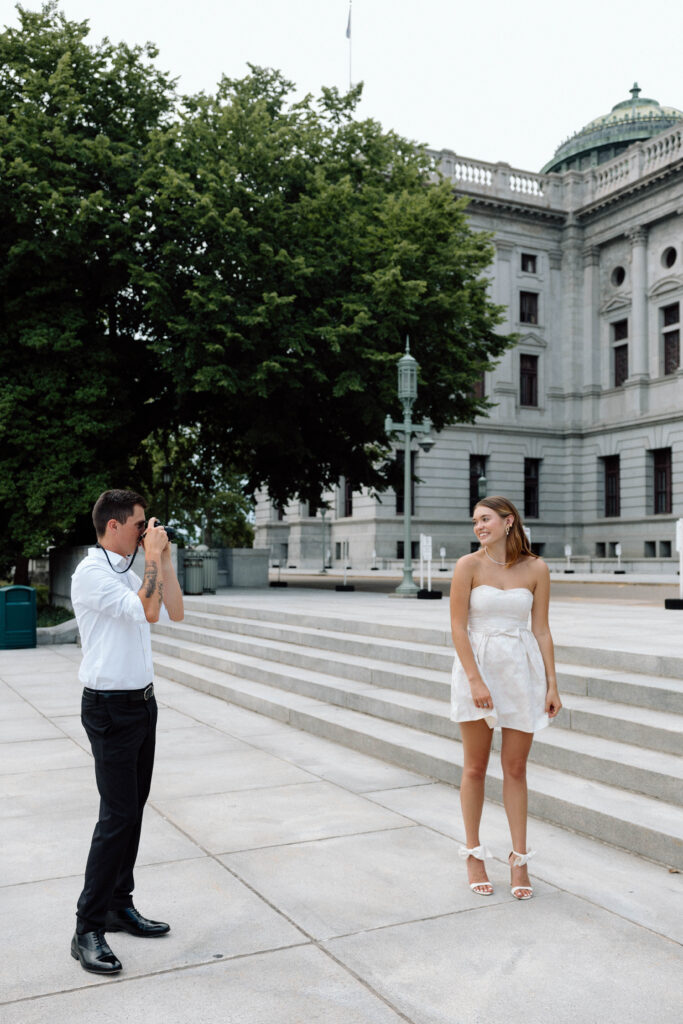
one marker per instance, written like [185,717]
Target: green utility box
[17,617]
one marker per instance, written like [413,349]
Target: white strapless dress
[509,659]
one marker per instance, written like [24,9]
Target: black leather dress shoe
[129,920]
[95,955]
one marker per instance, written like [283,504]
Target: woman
[503,675]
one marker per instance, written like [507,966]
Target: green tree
[295,247]
[79,389]
[233,268]
[205,499]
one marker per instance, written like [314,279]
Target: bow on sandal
[479,853]
[518,860]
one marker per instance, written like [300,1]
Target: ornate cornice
[591,256]
[504,249]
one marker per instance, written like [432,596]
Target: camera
[171,532]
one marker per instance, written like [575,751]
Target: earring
[507,530]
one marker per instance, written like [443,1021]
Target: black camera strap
[119,572]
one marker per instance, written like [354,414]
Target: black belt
[128,695]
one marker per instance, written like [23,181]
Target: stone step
[364,668]
[646,826]
[641,726]
[637,688]
[404,666]
[644,772]
[415,653]
[588,655]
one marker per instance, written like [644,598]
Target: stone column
[572,307]
[591,302]
[504,386]
[638,361]
[557,384]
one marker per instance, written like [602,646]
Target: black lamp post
[166,480]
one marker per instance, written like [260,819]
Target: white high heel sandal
[519,859]
[480,853]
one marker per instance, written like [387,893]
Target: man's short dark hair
[118,505]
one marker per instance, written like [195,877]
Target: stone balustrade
[560,192]
[477,177]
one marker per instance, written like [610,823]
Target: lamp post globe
[166,480]
[407,376]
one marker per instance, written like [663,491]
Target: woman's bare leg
[514,755]
[476,741]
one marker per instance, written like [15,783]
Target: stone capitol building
[586,435]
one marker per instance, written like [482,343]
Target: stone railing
[638,161]
[499,181]
[561,192]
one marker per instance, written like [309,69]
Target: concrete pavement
[305,882]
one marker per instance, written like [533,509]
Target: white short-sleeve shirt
[115,634]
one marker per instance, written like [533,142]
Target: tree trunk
[21,571]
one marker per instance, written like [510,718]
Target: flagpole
[350,39]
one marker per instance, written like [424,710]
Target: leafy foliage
[297,248]
[78,390]
[231,274]
[207,500]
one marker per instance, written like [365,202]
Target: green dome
[604,138]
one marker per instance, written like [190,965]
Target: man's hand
[154,539]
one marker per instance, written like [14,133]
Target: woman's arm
[461,586]
[541,630]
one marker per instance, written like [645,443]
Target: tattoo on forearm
[150,578]
[161,593]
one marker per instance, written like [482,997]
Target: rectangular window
[399,488]
[665,549]
[671,338]
[661,463]
[600,549]
[620,364]
[348,498]
[531,488]
[528,380]
[479,388]
[650,549]
[280,513]
[528,307]
[478,484]
[414,549]
[619,330]
[528,263]
[612,485]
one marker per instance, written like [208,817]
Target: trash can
[194,574]
[210,560]
[17,617]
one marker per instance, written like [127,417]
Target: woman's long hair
[516,542]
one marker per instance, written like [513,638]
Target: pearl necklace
[486,552]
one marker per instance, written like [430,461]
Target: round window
[618,276]
[669,257]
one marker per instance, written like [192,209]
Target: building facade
[586,433]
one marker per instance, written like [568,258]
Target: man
[113,609]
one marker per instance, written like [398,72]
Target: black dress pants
[122,736]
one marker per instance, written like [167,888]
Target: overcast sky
[494,80]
